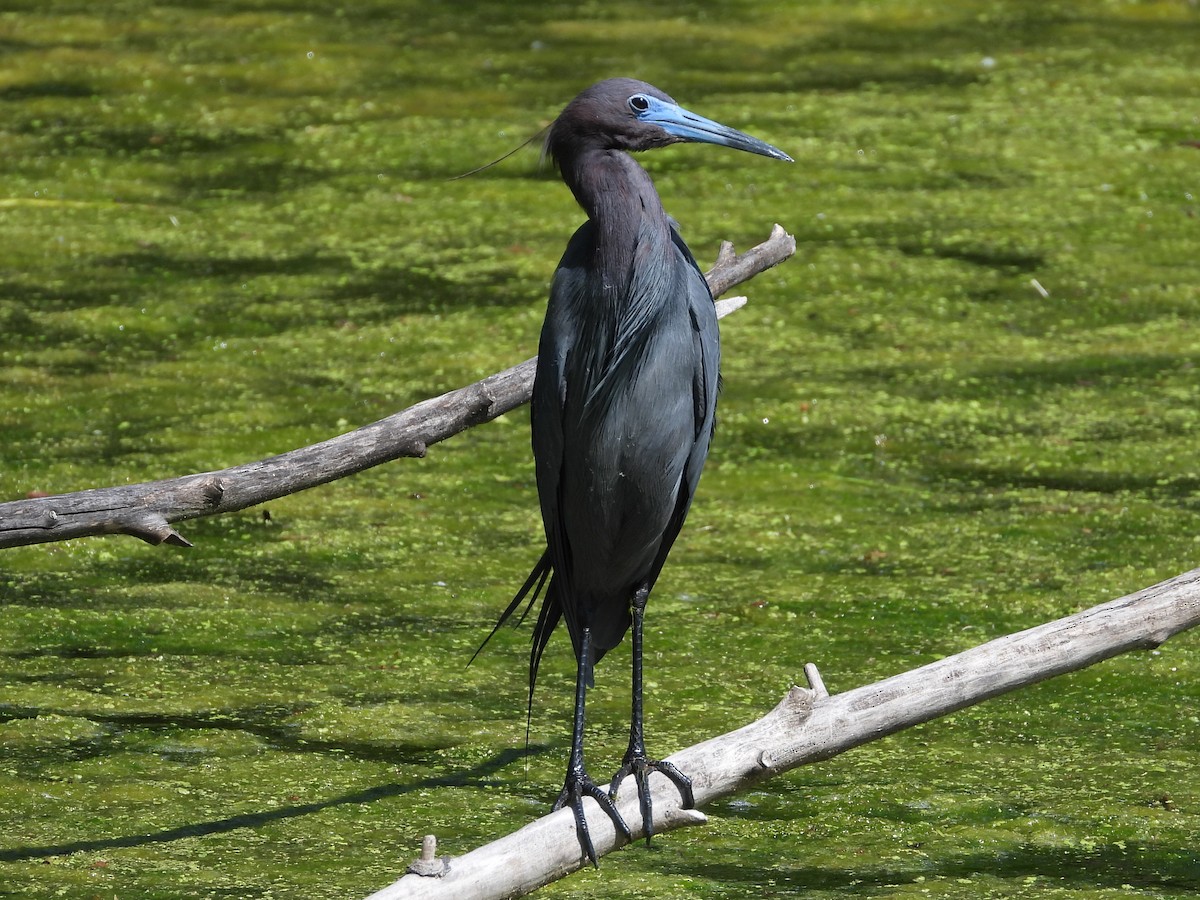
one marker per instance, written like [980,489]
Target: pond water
[967,405]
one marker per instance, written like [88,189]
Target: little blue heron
[623,405]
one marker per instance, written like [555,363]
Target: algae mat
[967,405]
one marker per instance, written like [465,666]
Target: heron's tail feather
[535,582]
[548,618]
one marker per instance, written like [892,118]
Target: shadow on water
[38,89]
[426,291]
[999,258]
[466,778]
[18,297]
[260,722]
[155,262]
[1153,866]
[992,380]
[70,134]
[254,176]
[1071,479]
[368,296]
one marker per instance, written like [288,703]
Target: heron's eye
[639,103]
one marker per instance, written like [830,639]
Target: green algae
[966,406]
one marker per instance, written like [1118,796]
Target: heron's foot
[579,785]
[640,766]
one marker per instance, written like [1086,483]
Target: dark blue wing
[706,382]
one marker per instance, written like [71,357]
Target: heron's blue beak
[687,126]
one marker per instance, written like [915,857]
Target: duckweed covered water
[968,405]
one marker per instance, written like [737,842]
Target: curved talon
[639,766]
[578,786]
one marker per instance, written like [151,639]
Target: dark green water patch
[45,89]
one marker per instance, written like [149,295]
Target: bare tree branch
[810,725]
[147,510]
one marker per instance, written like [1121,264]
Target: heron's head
[625,114]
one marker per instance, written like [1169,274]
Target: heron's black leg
[636,762]
[579,784]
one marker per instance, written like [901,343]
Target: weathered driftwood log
[810,725]
[147,510]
